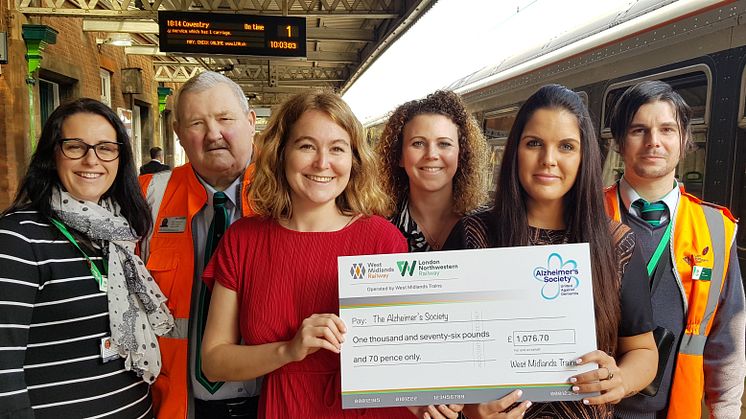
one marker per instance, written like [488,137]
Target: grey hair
[207,80]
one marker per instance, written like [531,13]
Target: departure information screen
[217,33]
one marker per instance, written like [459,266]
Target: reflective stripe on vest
[180,330]
[693,341]
[155,185]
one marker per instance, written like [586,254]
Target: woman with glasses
[79,313]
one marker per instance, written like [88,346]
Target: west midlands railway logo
[357,271]
[558,277]
[405,267]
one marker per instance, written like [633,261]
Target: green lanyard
[100,279]
[653,262]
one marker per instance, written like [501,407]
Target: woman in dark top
[549,192]
[79,312]
[432,157]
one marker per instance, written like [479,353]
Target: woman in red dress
[275,295]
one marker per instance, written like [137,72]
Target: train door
[739,196]
[739,192]
[694,85]
[739,179]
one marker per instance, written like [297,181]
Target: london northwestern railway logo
[406,267]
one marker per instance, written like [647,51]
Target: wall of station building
[75,64]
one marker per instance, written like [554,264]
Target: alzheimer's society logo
[558,276]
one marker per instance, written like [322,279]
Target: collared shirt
[200,229]
[630,195]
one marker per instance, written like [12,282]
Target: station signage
[227,34]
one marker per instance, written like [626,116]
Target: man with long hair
[192,206]
[695,281]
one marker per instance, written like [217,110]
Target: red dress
[283,276]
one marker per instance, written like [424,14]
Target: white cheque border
[449,284]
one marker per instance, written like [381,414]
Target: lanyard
[100,279]
[653,262]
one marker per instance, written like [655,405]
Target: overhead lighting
[120,39]
[116,39]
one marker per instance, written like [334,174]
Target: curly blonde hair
[469,181]
[269,192]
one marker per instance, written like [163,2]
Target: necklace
[434,242]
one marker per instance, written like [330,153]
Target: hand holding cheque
[470,326]
[318,331]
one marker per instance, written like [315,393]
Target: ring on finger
[608,373]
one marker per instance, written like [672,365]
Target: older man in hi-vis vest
[192,206]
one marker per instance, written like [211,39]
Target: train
[697,46]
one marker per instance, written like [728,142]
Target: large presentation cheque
[465,326]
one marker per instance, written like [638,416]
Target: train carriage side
[703,56]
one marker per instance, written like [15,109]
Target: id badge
[172,225]
[701,273]
[102,285]
[107,350]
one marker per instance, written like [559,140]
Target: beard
[649,171]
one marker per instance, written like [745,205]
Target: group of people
[120,299]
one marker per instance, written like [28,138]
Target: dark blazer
[153,166]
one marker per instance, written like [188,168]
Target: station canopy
[344,37]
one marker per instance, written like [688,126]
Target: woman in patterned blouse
[433,158]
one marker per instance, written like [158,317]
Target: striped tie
[651,212]
[217,228]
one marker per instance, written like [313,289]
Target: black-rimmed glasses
[75,149]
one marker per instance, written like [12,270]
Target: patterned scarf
[137,312]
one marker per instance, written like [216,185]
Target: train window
[497,126]
[694,87]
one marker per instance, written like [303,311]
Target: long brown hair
[584,213]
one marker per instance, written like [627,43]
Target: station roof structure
[344,37]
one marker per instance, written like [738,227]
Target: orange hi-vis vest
[175,198]
[701,241]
